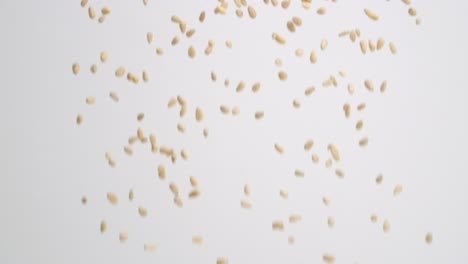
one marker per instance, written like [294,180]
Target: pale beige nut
[351,88]
[190,33]
[252,12]
[226,82]
[407,2]
[321,11]
[159,51]
[331,221]
[123,236]
[325,200]
[143,212]
[195,193]
[228,44]
[205,132]
[313,57]
[290,26]
[428,238]
[239,13]
[131,195]
[240,86]
[175,41]
[103,226]
[328,163]
[386,226]
[112,198]
[178,202]
[282,75]
[144,76]
[213,76]
[120,71]
[246,190]
[380,43]
[174,189]
[296,20]
[328,258]
[84,200]
[379,179]
[359,125]
[374,218]
[361,106]
[397,189]
[352,36]
[191,52]
[299,52]
[372,45]
[308,145]
[256,87]
[278,62]
[296,103]
[363,141]
[145,2]
[93,68]
[363,45]
[235,110]
[418,21]
[369,85]
[84,3]
[277,225]
[140,117]
[309,90]
[334,152]
[291,240]
[79,119]
[91,12]
[279,148]
[295,218]
[340,173]
[224,109]
[222,261]
[347,110]
[299,173]
[306,4]
[285,4]
[101,19]
[149,37]
[383,86]
[193,181]
[202,16]
[315,158]
[161,172]
[371,14]
[278,38]
[105,10]
[323,44]
[149,247]
[245,204]
[344,33]
[197,240]
[411,11]
[128,150]
[75,68]
[198,114]
[182,27]
[181,128]
[392,48]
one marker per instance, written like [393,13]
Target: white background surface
[417,134]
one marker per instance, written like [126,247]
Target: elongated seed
[174,189]
[159,51]
[369,85]
[175,40]
[279,148]
[371,14]
[149,37]
[149,247]
[278,38]
[295,218]
[205,132]
[246,190]
[84,200]
[361,106]
[308,145]
[359,125]
[340,173]
[296,103]
[323,44]
[143,212]
[91,12]
[282,75]
[397,189]
[379,179]
[347,110]
[299,52]
[291,240]
[309,90]
[197,240]
[290,26]
[407,2]
[202,16]
[75,68]
[123,236]
[371,45]
[383,86]
[328,163]
[221,261]
[256,87]
[103,226]
[240,87]
[352,36]
[299,173]
[315,158]
[278,62]
[412,11]
[428,238]
[363,141]
[331,221]
[105,10]
[374,218]
[350,88]
[334,152]
[112,198]
[79,119]
[296,20]
[194,193]
[245,204]
[363,45]
[285,4]
[239,13]
[178,202]
[198,114]
[277,225]
[306,4]
[84,3]
[386,226]
[120,71]
[228,44]
[284,194]
[313,57]
[191,52]
[184,154]
[128,150]
[224,109]
[190,33]
[328,258]
[235,110]
[325,201]
[321,11]
[392,47]
[380,43]
[252,12]
[161,172]
[193,181]
[131,195]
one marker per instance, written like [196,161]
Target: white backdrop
[416,134]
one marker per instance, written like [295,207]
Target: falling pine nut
[75,68]
[193,181]
[407,2]
[240,87]
[299,52]
[371,45]
[191,52]
[374,218]
[149,247]
[277,225]
[291,240]
[380,43]
[120,71]
[123,236]
[161,172]
[198,114]
[103,56]
[144,76]
[282,75]
[91,12]
[397,190]
[328,258]
[103,226]
[205,132]
[79,119]
[235,110]
[285,4]
[245,204]
[278,38]
[386,226]
[325,201]
[411,11]
[190,33]
[131,195]
[371,14]
[105,10]
[369,85]
[359,125]
[178,202]
[279,148]
[84,200]
[246,190]
[128,150]
[202,16]
[296,20]
[328,163]
[299,173]
[284,194]
[428,238]
[197,240]
[352,36]
[351,88]
[361,106]
[278,62]
[363,141]
[214,77]
[252,12]
[392,47]
[321,11]
[296,103]
[290,26]
[309,90]
[295,218]
[93,68]
[308,145]
[331,221]
[239,13]
[323,44]
[228,44]
[112,198]
[149,37]
[256,87]
[174,189]
[184,154]
[194,194]
[340,173]
[306,4]
[347,110]
[383,86]
[175,41]
[315,158]
[221,261]
[313,57]
[334,152]
[143,212]
[363,45]
[379,179]
[84,3]
[224,109]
